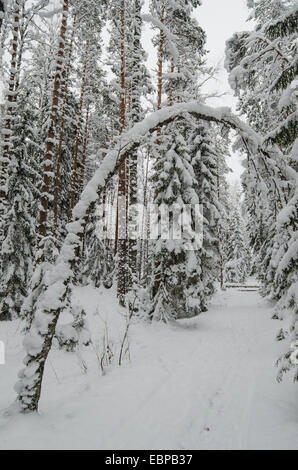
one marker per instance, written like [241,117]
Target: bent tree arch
[57,282]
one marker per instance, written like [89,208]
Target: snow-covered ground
[205,383]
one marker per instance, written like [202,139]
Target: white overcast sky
[219,19]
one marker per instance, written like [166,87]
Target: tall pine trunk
[160,58]
[160,62]
[121,223]
[133,160]
[50,142]
[84,152]
[159,102]
[62,125]
[78,135]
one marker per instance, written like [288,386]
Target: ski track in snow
[204,383]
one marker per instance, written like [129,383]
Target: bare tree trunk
[62,125]
[48,161]
[78,134]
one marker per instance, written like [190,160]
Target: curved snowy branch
[53,298]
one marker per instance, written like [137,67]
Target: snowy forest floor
[205,383]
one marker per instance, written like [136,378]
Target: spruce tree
[204,161]
[175,269]
[263,70]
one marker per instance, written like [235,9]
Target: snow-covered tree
[204,161]
[18,247]
[235,243]
[176,272]
[263,71]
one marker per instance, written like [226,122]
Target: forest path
[211,383]
[204,383]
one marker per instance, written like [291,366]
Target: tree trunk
[133,160]
[171,100]
[48,161]
[84,153]
[121,244]
[160,58]
[160,62]
[62,125]
[78,135]
[23,27]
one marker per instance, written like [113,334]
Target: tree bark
[160,62]
[78,135]
[84,153]
[48,161]
[171,100]
[121,242]
[62,125]
[133,160]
